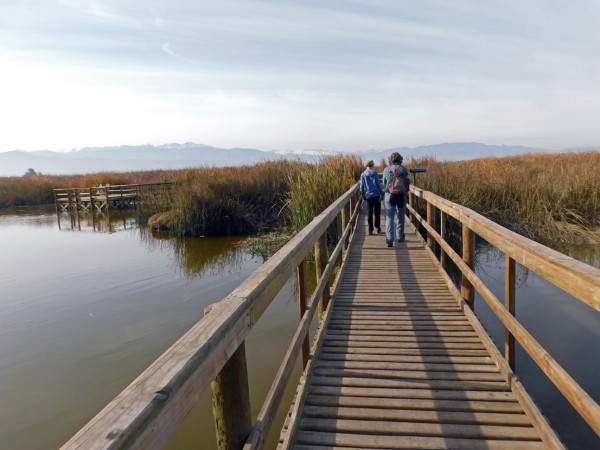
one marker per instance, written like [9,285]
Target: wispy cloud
[285,74]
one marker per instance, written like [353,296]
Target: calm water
[83,312]
[568,329]
[87,307]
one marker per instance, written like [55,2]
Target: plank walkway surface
[401,367]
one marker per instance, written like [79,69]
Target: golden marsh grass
[552,197]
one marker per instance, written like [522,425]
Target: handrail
[149,410]
[103,195]
[575,277]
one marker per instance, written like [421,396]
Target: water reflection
[566,327]
[106,221]
[200,256]
[84,313]
[589,254]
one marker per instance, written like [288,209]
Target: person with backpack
[395,185]
[371,191]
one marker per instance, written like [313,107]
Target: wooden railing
[100,196]
[579,279]
[212,353]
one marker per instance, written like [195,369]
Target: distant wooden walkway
[104,197]
[400,366]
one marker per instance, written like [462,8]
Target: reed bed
[214,201]
[259,198]
[39,189]
[231,200]
[313,189]
[546,197]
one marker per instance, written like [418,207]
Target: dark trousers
[374,205]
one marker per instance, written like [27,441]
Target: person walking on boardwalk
[371,191]
[395,185]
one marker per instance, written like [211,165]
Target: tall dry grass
[315,187]
[231,200]
[542,196]
[269,195]
[39,189]
[215,201]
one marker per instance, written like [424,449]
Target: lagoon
[87,306]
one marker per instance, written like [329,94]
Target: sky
[295,75]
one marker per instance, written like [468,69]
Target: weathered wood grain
[400,365]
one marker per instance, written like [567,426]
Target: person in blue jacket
[395,203]
[372,192]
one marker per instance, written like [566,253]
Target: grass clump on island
[272,200]
[546,197]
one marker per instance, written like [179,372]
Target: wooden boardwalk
[104,197]
[401,367]
[398,359]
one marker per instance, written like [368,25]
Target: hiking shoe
[378,230]
[390,244]
[401,239]
[370,232]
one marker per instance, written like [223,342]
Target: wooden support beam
[509,301]
[231,402]
[302,302]
[431,222]
[321,258]
[468,256]
[443,236]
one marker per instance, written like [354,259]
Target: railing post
[231,402]
[468,256]
[321,258]
[431,223]
[345,219]
[510,302]
[302,301]
[443,235]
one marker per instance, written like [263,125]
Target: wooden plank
[439,405]
[425,367]
[411,393]
[402,367]
[311,440]
[390,428]
[417,416]
[407,374]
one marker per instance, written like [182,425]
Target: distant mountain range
[177,156]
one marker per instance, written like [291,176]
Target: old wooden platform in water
[400,366]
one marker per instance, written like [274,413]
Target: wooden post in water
[351,207]
[302,302]
[231,402]
[468,256]
[345,219]
[91,201]
[321,258]
[431,223]
[510,303]
[443,235]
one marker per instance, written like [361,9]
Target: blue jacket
[369,184]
